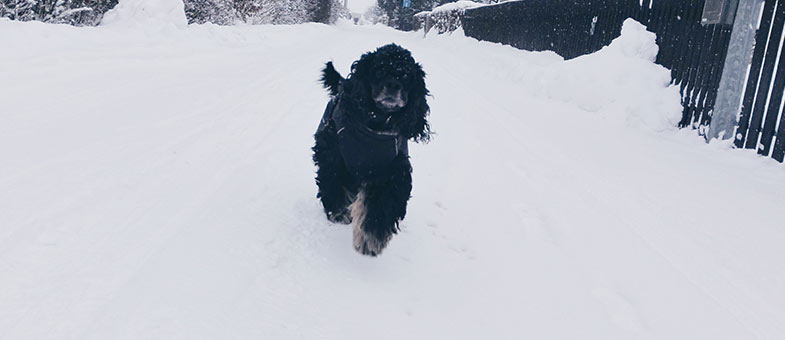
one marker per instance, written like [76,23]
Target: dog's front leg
[335,183]
[380,206]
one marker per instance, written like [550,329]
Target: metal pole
[742,42]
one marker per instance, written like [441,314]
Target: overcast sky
[360,5]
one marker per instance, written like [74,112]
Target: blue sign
[407,3]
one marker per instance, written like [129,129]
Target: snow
[458,5]
[602,83]
[146,13]
[360,6]
[158,184]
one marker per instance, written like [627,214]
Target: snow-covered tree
[326,11]
[401,17]
[226,12]
[221,12]
[376,15]
[74,12]
[285,11]
[246,11]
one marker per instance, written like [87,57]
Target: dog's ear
[415,122]
[361,68]
[331,79]
[358,83]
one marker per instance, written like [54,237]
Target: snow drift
[608,84]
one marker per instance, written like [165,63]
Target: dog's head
[390,74]
[389,87]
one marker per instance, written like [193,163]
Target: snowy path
[158,185]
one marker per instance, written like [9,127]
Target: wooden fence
[695,53]
[570,28]
[761,114]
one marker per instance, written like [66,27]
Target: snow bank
[621,83]
[146,13]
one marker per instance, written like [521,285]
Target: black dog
[364,174]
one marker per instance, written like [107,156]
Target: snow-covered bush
[74,12]
[403,18]
[447,17]
[413,17]
[227,12]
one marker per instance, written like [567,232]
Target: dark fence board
[775,97]
[758,110]
[775,106]
[778,152]
[779,145]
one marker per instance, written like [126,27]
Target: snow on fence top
[461,5]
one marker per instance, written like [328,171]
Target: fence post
[739,57]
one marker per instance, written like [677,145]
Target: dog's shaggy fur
[364,174]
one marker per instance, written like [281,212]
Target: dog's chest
[366,153]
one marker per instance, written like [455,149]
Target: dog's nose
[393,85]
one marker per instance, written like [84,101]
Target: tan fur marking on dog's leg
[357,210]
[364,242]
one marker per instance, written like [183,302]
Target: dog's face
[388,75]
[393,87]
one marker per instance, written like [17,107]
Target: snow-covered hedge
[74,12]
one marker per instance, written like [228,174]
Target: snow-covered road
[157,184]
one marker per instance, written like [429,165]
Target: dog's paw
[368,244]
[343,217]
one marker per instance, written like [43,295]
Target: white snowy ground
[156,183]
